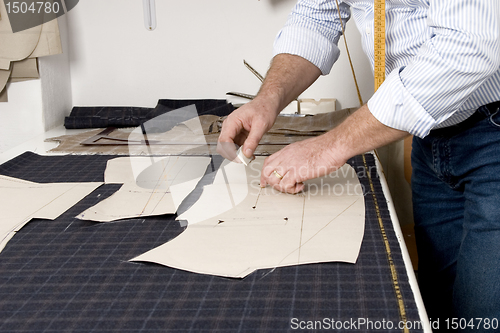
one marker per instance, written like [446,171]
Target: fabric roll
[129,116]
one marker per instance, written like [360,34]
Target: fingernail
[248,152]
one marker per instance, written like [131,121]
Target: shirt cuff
[308,44]
[395,107]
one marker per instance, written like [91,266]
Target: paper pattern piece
[49,42]
[17,46]
[22,201]
[41,40]
[151,186]
[230,187]
[236,227]
[24,70]
[4,77]
[3,94]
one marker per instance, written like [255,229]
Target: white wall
[55,82]
[21,115]
[196,51]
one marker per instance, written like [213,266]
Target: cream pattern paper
[22,201]
[151,186]
[236,227]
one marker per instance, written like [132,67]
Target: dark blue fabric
[126,116]
[69,275]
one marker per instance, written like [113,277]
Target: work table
[69,274]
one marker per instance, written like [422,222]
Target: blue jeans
[456,199]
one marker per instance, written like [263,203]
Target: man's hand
[287,169]
[245,127]
[288,76]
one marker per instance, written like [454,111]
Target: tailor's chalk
[245,160]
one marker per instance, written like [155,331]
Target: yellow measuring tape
[379,74]
[392,265]
[379,47]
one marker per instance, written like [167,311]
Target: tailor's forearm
[288,76]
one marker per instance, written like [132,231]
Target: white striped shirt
[442,56]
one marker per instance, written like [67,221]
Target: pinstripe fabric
[443,56]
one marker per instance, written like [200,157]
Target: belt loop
[493,107]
